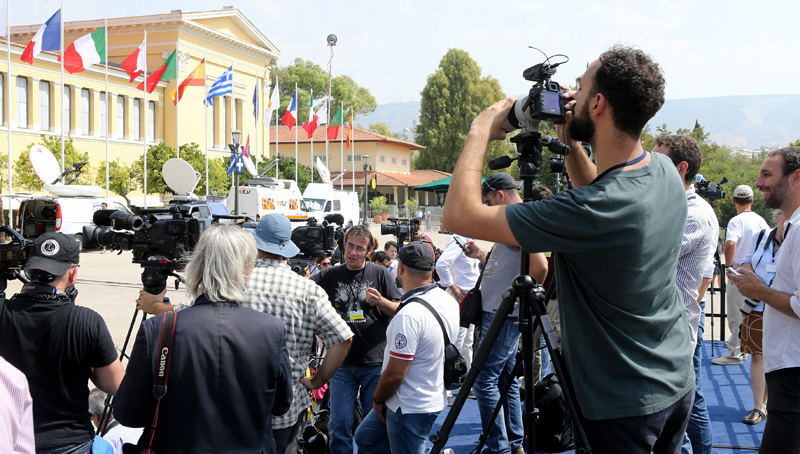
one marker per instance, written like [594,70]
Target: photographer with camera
[58,345]
[410,393]
[217,357]
[506,435]
[365,297]
[738,243]
[699,242]
[617,236]
[273,288]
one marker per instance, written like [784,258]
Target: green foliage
[411,206]
[796,143]
[310,76]
[378,204]
[158,154]
[285,171]
[382,128]
[24,175]
[122,178]
[454,95]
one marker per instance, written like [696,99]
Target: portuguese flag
[85,51]
[169,70]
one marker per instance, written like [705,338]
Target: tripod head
[529,146]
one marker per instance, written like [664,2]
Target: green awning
[438,186]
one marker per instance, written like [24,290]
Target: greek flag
[222,86]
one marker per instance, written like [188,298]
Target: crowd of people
[632,246]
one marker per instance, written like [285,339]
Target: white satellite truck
[68,209]
[323,199]
[259,196]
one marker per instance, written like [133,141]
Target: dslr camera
[401,228]
[543,103]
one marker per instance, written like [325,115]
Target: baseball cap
[497,181]
[417,255]
[274,235]
[743,191]
[54,253]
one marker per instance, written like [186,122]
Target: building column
[394,188]
[159,129]
[405,191]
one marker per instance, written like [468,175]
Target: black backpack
[554,428]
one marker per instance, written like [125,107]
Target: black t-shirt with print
[347,292]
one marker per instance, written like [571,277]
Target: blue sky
[706,47]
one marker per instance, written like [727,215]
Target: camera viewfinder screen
[551,102]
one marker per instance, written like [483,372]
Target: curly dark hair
[682,147]
[634,86]
[791,158]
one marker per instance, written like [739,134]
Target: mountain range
[741,122]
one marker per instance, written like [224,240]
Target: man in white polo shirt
[779,182]
[738,239]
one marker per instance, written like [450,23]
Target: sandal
[756,416]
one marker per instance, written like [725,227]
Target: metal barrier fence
[431,216]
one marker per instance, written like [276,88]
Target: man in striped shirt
[699,240]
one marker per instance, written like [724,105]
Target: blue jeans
[507,432]
[698,432]
[345,385]
[402,434]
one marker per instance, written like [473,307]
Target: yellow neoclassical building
[117,118]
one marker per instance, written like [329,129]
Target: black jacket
[229,373]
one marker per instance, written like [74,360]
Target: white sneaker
[726,360]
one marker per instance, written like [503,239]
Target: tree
[122,178]
[796,143]
[158,154]
[382,128]
[453,96]
[310,76]
[24,175]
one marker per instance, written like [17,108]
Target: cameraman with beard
[625,333]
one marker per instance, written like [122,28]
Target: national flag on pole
[311,124]
[350,130]
[273,103]
[85,51]
[222,86]
[47,38]
[290,117]
[246,149]
[168,70]
[135,63]
[197,78]
[334,125]
[247,161]
[255,101]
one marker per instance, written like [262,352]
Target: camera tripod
[532,313]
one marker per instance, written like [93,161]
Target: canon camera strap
[164,354]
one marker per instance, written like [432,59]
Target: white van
[322,199]
[259,196]
[39,214]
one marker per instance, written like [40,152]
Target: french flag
[47,38]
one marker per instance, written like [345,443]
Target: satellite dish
[45,164]
[47,168]
[180,176]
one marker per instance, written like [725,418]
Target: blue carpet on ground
[727,392]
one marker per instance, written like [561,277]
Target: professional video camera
[14,252]
[161,239]
[401,228]
[316,240]
[543,103]
[709,190]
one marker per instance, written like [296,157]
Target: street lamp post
[234,147]
[332,39]
[367,168]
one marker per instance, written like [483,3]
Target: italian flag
[85,51]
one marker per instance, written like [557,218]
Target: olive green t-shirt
[623,323]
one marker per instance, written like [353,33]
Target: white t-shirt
[781,332]
[741,229]
[415,335]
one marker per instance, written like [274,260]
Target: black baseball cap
[496,182]
[54,253]
[417,255]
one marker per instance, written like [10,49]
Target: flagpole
[8,103]
[277,126]
[144,138]
[255,124]
[311,116]
[296,164]
[62,80]
[177,104]
[341,165]
[205,115]
[108,97]
[353,150]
